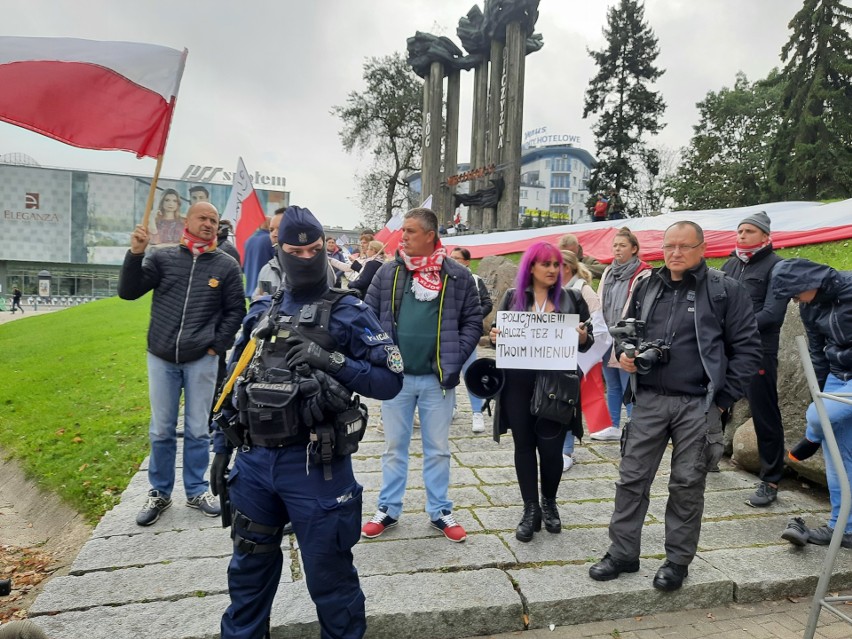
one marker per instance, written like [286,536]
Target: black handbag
[555,395]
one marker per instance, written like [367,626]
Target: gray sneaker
[206,503]
[153,508]
[763,496]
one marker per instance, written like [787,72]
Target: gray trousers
[697,445]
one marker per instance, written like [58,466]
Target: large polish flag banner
[91,94]
[793,224]
[243,208]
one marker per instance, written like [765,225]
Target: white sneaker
[478,425]
[567,463]
[610,434]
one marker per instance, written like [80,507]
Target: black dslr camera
[630,334]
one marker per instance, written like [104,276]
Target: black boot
[550,513]
[530,522]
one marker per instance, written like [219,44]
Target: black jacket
[198,302]
[756,276]
[570,302]
[828,319]
[728,342]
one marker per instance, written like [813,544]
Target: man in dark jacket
[704,350]
[462,256]
[256,252]
[825,302]
[196,310]
[751,264]
[430,306]
[569,242]
[226,229]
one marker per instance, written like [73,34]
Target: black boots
[550,514]
[530,522]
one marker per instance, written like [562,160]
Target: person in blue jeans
[825,304]
[196,310]
[429,305]
[616,287]
[462,256]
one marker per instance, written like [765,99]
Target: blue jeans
[435,407]
[166,380]
[617,381]
[475,402]
[840,415]
[568,446]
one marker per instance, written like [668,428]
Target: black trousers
[763,400]
[538,442]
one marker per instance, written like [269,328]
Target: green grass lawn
[74,402]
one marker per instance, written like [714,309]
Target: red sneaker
[380,522]
[448,525]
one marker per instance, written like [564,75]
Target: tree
[384,119]
[657,166]
[812,155]
[726,162]
[619,94]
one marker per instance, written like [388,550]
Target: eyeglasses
[683,248]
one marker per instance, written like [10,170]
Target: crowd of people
[669,348]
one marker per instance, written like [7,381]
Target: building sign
[542,137]
[473,174]
[207,174]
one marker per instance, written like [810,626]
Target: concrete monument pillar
[510,123]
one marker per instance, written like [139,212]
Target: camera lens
[646,360]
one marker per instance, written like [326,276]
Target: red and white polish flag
[91,94]
[243,208]
[391,233]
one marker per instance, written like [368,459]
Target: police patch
[394,359]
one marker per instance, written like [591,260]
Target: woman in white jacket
[592,401]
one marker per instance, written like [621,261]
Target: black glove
[306,351]
[219,473]
[310,400]
[335,395]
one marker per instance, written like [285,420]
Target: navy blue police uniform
[270,486]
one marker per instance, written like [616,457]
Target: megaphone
[483,378]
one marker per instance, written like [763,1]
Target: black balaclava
[302,276]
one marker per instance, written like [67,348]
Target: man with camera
[695,350]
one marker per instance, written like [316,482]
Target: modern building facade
[76,225]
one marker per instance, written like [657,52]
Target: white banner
[537,341]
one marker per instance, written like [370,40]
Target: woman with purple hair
[538,441]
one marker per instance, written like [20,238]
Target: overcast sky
[262,76]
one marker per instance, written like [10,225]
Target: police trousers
[697,445]
[269,487]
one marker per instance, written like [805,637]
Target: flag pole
[151,191]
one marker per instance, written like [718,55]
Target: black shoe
[670,576]
[610,568]
[530,522]
[153,508]
[803,450]
[550,515]
[796,532]
[763,496]
[822,537]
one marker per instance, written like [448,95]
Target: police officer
[281,472]
[707,348]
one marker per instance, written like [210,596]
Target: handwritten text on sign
[537,341]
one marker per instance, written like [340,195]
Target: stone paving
[169,581]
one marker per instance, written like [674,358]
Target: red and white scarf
[425,272]
[745,253]
[195,244]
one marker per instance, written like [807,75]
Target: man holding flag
[197,307]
